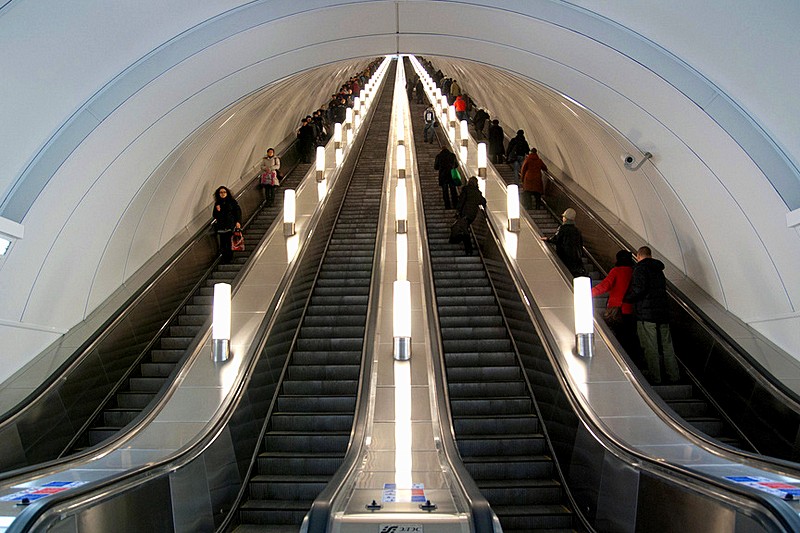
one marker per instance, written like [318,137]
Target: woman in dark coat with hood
[227,218]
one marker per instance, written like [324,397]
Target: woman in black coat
[227,217]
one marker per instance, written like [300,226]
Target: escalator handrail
[346,169]
[147,413]
[752,366]
[138,476]
[106,328]
[652,395]
[318,517]
[528,387]
[136,363]
[701,316]
[480,510]
[686,477]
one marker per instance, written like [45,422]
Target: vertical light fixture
[338,156]
[348,117]
[482,160]
[464,133]
[401,161]
[401,207]
[221,325]
[402,256]
[463,153]
[401,134]
[320,163]
[322,189]
[512,207]
[289,212]
[584,318]
[337,135]
[402,320]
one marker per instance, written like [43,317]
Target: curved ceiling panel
[124,132]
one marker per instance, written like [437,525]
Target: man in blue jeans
[648,294]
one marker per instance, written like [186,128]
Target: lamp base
[401,226]
[402,348]
[288,229]
[513,224]
[220,350]
[584,344]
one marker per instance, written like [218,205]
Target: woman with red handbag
[269,176]
[227,219]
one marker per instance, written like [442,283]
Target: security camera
[632,164]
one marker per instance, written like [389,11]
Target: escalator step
[308,422]
[300,486]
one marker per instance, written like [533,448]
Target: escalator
[685,398]
[148,377]
[498,431]
[308,431]
[117,373]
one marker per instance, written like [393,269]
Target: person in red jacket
[531,176]
[619,315]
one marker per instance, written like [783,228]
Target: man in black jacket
[469,204]
[445,162]
[648,294]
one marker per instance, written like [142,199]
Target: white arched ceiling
[125,125]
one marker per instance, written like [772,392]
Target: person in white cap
[569,243]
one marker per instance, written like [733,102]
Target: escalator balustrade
[685,398]
[309,430]
[496,427]
[155,369]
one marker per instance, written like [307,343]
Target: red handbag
[237,241]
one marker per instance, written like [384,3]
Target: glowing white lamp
[357,122]
[402,320]
[402,256]
[401,161]
[338,155]
[464,133]
[482,160]
[356,105]
[462,154]
[221,326]
[401,135]
[584,317]
[512,206]
[337,135]
[289,212]
[401,207]
[451,131]
[451,113]
[320,163]
[348,116]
